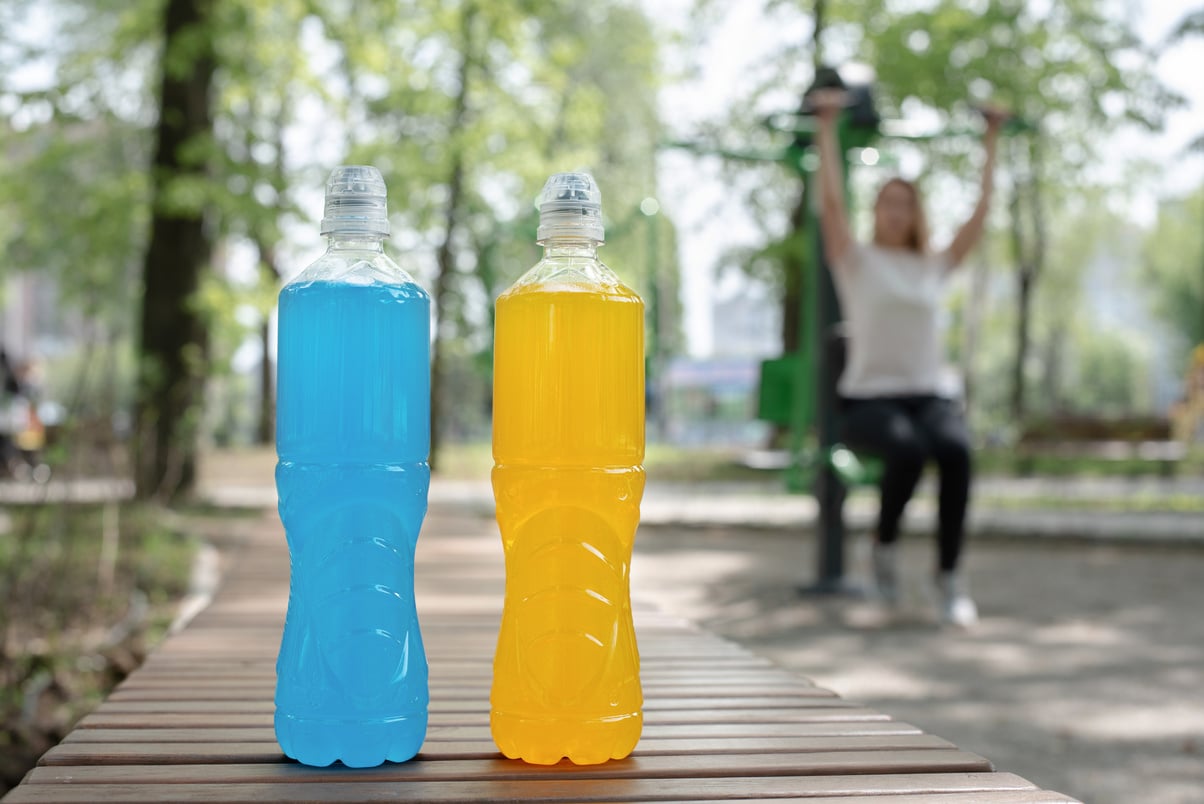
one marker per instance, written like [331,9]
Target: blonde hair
[918,240]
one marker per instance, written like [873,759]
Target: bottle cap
[355,202]
[570,206]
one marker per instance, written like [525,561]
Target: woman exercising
[897,400]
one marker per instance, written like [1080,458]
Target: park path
[1011,508]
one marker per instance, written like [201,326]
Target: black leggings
[906,431]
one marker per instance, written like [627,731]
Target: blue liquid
[353,434]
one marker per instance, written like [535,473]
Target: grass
[995,461]
[76,615]
[679,464]
[1139,503]
[667,463]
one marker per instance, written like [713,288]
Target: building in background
[748,323]
[32,323]
[713,401]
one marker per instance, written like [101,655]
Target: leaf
[1191,25]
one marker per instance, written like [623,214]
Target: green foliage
[89,241]
[1075,69]
[1191,25]
[58,583]
[1007,461]
[85,592]
[1111,374]
[467,110]
[1080,362]
[305,84]
[1064,65]
[1174,269]
[1059,65]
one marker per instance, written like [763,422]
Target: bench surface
[194,723]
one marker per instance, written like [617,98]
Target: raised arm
[970,233]
[833,218]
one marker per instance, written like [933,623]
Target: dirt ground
[1085,675]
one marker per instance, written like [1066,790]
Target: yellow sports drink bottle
[568,444]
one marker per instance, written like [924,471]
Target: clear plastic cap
[355,202]
[570,206]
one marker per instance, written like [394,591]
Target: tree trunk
[973,326]
[1054,400]
[265,430]
[174,344]
[817,32]
[445,258]
[1030,260]
[1019,391]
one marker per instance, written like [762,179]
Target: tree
[72,181]
[263,77]
[519,90]
[173,342]
[1192,25]
[465,106]
[445,256]
[74,190]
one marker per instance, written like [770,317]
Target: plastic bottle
[352,434]
[568,444]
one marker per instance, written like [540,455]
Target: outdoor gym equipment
[798,390]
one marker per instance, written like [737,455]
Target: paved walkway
[1139,509]
[1085,674]
[766,505]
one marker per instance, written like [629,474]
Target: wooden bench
[194,723]
[1146,439]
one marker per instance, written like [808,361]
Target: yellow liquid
[568,441]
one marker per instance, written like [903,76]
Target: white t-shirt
[891,301]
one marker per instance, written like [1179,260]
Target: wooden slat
[222,700]
[105,716]
[258,689]
[222,733]
[719,708]
[234,751]
[650,675]
[659,767]
[355,788]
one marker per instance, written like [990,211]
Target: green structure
[819,461]
[798,390]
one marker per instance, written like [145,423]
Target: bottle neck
[342,241]
[571,247]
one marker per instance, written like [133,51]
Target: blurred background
[161,175]
[1082,309]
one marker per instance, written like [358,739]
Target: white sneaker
[956,606]
[886,573]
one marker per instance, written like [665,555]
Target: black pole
[830,490]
